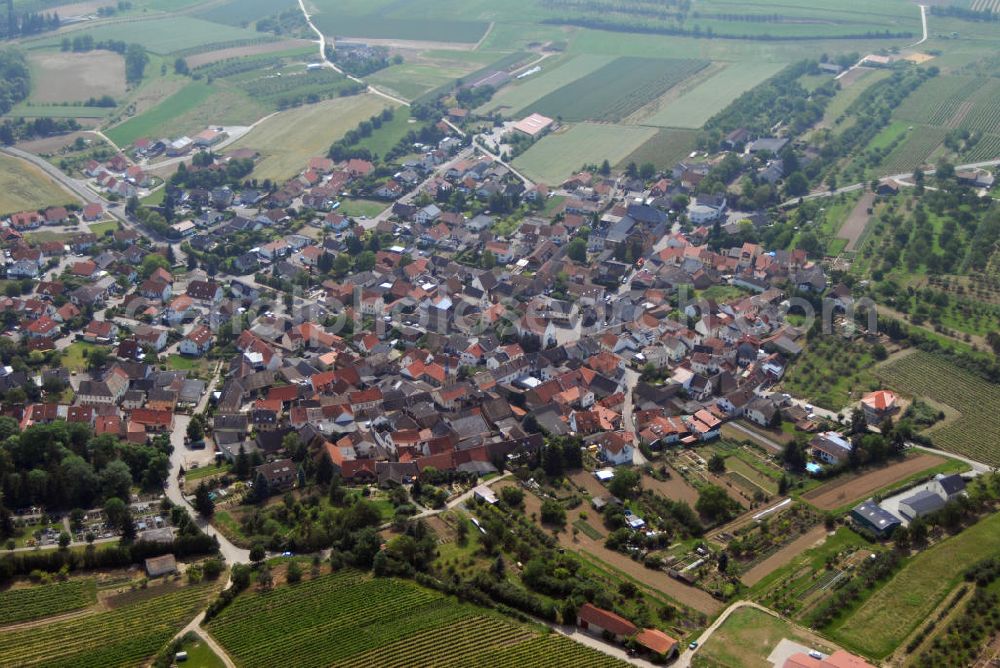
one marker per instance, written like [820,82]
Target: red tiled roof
[607,620]
[656,640]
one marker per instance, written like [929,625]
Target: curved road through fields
[321,41]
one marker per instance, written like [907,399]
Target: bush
[553,513]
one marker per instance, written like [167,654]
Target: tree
[116,480]
[196,429]
[64,540]
[577,250]
[488,260]
[512,496]
[242,467]
[181,67]
[717,464]
[294,446]
[294,572]
[794,457]
[647,171]
[151,262]
[324,468]
[796,184]
[116,512]
[625,483]
[97,358]
[257,553]
[136,60]
[241,575]
[553,513]
[715,505]
[337,492]
[605,168]
[203,502]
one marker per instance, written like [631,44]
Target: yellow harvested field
[24,187]
[76,77]
[288,139]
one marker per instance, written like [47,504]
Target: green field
[148,124]
[382,140]
[970,103]
[100,228]
[169,34]
[526,18]
[335,21]
[288,139]
[617,89]
[239,12]
[361,208]
[349,619]
[977,432]
[24,187]
[127,635]
[58,111]
[411,80]
[913,151]
[938,99]
[746,639]
[831,372]
[19,605]
[664,150]
[891,613]
[200,655]
[519,96]
[711,96]
[846,96]
[556,156]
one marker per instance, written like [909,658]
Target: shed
[162,565]
[873,517]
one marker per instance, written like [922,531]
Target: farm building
[949,486]
[162,565]
[869,515]
[533,125]
[657,642]
[209,137]
[179,146]
[922,503]
[596,621]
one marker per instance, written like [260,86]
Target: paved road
[978,467]
[461,498]
[923,22]
[684,660]
[195,626]
[83,191]
[232,554]
[321,42]
[902,178]
[386,213]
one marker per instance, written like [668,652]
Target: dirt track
[783,556]
[199,59]
[655,580]
[843,491]
[855,225]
